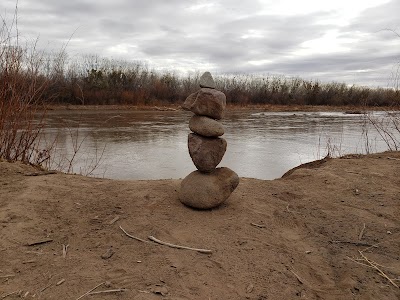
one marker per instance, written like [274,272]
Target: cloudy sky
[340,40]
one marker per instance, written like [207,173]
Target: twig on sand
[108,291]
[113,220]
[374,265]
[152,238]
[88,292]
[9,294]
[41,173]
[65,249]
[44,241]
[133,237]
[45,288]
[392,158]
[60,282]
[7,276]
[360,236]
[257,225]
[297,276]
[357,262]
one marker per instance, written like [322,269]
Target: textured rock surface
[210,103]
[189,101]
[207,81]
[206,126]
[206,152]
[208,190]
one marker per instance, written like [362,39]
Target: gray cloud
[223,36]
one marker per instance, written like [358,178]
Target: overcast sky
[340,40]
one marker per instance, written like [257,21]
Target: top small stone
[206,81]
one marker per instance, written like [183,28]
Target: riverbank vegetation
[92,80]
[23,89]
[32,79]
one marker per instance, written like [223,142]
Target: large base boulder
[208,190]
[206,152]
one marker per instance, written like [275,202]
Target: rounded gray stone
[208,190]
[207,81]
[210,103]
[206,126]
[206,152]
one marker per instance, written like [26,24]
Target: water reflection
[153,145]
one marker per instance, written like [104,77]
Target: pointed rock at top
[206,81]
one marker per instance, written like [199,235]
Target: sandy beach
[326,230]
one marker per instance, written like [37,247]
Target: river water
[153,144]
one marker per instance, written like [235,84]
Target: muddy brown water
[153,144]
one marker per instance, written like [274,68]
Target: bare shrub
[388,128]
[30,79]
[21,97]
[65,155]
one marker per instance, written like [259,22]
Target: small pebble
[250,288]
[110,252]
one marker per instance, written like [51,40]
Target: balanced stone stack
[209,186]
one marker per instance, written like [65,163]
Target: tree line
[93,80]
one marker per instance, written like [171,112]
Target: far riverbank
[266,107]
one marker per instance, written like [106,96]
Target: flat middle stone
[206,126]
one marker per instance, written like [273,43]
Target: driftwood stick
[379,270]
[88,292]
[7,276]
[45,288]
[360,236]
[297,276]
[113,220]
[133,237]
[152,238]
[108,291]
[392,158]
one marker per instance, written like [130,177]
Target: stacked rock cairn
[208,186]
